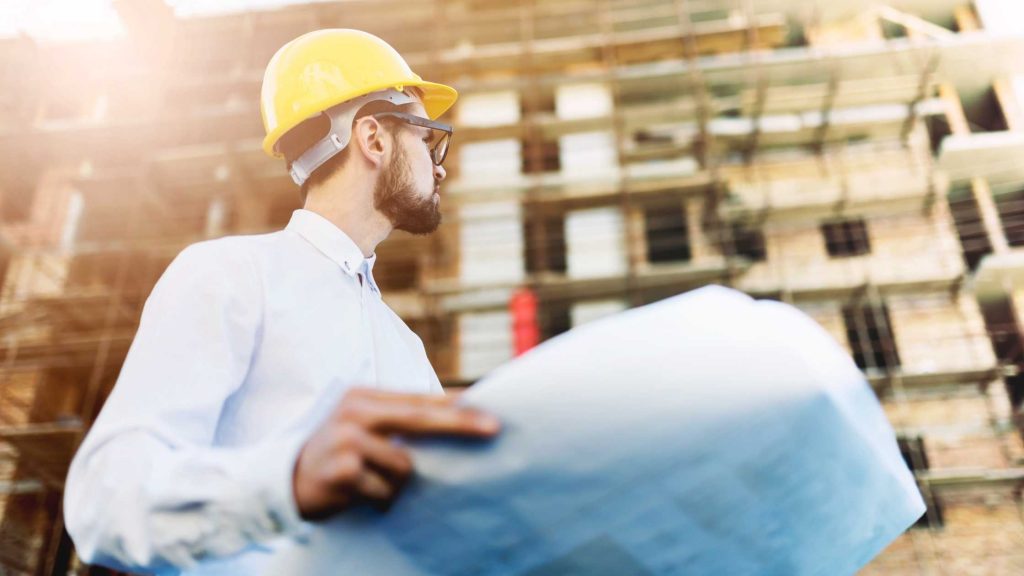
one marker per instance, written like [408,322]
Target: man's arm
[147,490]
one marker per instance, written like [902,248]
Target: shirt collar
[332,242]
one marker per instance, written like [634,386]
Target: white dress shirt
[245,344]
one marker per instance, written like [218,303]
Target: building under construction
[862,161]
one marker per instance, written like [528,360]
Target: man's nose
[439,173]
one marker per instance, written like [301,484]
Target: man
[267,380]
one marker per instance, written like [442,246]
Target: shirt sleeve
[148,489]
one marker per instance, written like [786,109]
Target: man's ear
[368,139]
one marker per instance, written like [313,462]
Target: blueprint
[705,434]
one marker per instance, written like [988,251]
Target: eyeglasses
[441,135]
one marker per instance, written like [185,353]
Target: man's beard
[395,196]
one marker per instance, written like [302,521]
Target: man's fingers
[367,466]
[418,415]
[379,452]
[430,420]
[371,485]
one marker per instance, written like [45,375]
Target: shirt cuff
[276,464]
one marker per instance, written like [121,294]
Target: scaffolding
[857,160]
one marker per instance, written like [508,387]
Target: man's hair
[299,139]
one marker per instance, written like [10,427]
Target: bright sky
[81,19]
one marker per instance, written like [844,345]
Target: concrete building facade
[860,161]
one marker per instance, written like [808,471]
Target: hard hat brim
[437,99]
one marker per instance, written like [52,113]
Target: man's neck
[356,217]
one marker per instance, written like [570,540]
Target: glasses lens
[440,149]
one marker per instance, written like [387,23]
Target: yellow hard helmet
[322,69]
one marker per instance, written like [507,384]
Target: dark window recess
[668,235]
[1011,214]
[1007,343]
[846,238]
[643,137]
[555,318]
[869,332]
[545,244]
[537,102]
[62,558]
[541,156]
[971,17]
[1015,390]
[796,37]
[938,129]
[1002,330]
[974,242]
[984,113]
[892,30]
[748,242]
[913,452]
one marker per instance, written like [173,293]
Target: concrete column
[989,215]
[954,110]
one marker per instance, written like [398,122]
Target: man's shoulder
[227,249]
[233,258]
[228,268]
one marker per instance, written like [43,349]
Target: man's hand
[352,457]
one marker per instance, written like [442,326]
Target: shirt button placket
[359,278]
[365,304]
